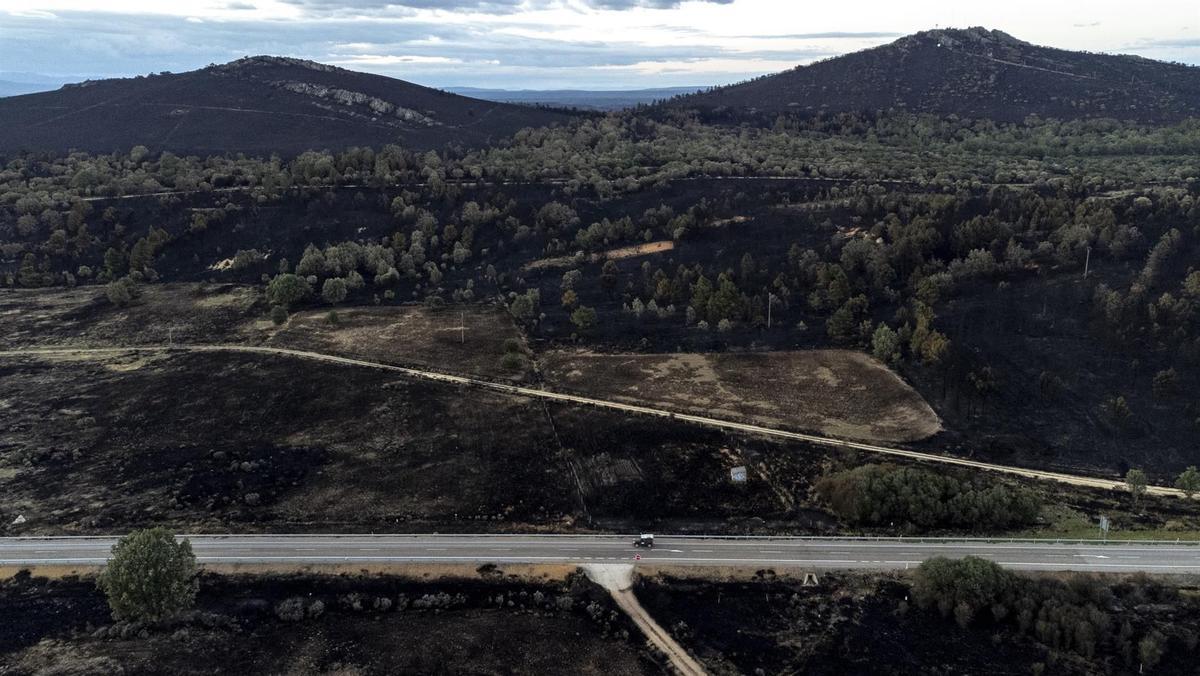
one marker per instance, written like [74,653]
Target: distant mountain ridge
[255,105]
[973,72]
[586,99]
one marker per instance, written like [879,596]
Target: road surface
[1072,479]
[288,551]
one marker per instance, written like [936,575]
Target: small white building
[738,474]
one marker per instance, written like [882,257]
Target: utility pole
[1087,262]
[462,328]
[770,299]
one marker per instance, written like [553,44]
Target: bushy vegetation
[1081,615]
[150,576]
[905,497]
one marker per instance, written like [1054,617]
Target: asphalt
[288,551]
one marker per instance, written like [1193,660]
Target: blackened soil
[858,624]
[363,625]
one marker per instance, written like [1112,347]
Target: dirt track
[618,580]
[1076,480]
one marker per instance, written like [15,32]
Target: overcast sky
[600,44]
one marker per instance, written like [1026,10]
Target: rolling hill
[975,73]
[255,105]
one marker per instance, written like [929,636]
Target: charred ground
[310,623]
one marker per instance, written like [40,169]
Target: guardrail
[659,538]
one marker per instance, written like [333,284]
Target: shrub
[119,292]
[290,610]
[584,318]
[512,361]
[287,289]
[150,576]
[279,314]
[1189,481]
[961,587]
[876,495]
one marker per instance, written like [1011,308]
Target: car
[645,540]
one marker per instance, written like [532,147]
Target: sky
[546,44]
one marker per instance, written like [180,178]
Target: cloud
[499,7]
[240,6]
[836,35]
[1186,43]
[388,59]
[646,4]
[368,7]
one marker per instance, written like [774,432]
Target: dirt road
[618,579]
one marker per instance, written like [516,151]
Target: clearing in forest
[834,392]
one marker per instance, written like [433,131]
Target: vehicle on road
[644,540]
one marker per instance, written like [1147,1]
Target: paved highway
[1073,479]
[811,553]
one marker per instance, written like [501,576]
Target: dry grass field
[469,340]
[234,314]
[834,392]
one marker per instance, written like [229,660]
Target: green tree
[584,318]
[150,576]
[334,290]
[279,314]
[1137,481]
[960,586]
[141,256]
[114,262]
[885,344]
[844,324]
[287,289]
[1151,649]
[525,306]
[610,275]
[27,274]
[1189,481]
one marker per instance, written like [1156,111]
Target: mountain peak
[975,35]
[267,61]
[973,72]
